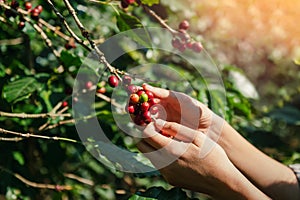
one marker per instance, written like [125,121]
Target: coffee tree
[56,56]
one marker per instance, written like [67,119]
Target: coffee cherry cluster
[14,4]
[140,102]
[183,41]
[139,107]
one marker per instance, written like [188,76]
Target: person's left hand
[179,161]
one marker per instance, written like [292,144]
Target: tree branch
[37,185]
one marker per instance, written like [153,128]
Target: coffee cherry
[101,90]
[182,47]
[28,5]
[130,1]
[144,106]
[147,116]
[131,89]
[184,36]
[35,13]
[89,85]
[150,94]
[113,81]
[39,8]
[197,47]
[138,120]
[124,4]
[130,109]
[176,43]
[21,25]
[153,110]
[140,92]
[14,4]
[184,25]
[190,44]
[64,104]
[143,97]
[126,80]
[134,98]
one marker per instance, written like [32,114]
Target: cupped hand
[179,160]
[181,108]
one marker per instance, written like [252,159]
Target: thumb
[158,92]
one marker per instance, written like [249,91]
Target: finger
[154,138]
[179,131]
[158,92]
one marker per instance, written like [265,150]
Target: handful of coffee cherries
[140,103]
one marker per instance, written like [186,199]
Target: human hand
[179,161]
[183,109]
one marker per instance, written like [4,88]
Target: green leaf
[150,2]
[127,22]
[2,70]
[20,89]
[18,157]
[288,114]
[69,59]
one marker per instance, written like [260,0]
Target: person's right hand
[181,108]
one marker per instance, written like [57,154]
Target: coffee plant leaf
[20,89]
[128,23]
[69,59]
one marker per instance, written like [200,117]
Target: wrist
[237,186]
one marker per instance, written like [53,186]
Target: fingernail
[146,86]
[159,123]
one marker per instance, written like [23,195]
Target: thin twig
[41,115]
[14,139]
[86,35]
[80,179]
[37,185]
[64,22]
[54,29]
[160,20]
[28,135]
[69,121]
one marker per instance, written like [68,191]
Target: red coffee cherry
[130,1]
[145,106]
[126,80]
[131,89]
[130,109]
[39,8]
[150,94]
[89,85]
[197,47]
[113,81]
[64,104]
[35,13]
[28,5]
[184,25]
[176,43]
[21,25]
